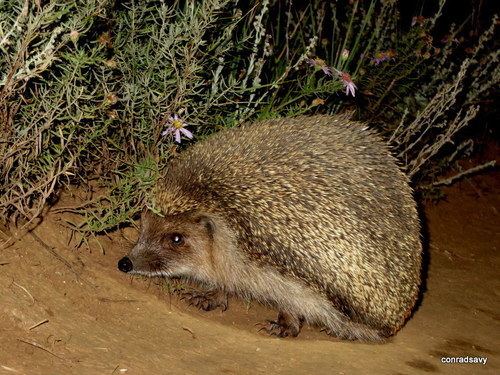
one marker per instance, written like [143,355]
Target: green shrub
[89,90]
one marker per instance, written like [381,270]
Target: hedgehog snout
[125,265]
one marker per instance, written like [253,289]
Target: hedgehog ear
[146,217]
[208,223]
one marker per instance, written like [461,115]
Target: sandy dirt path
[94,320]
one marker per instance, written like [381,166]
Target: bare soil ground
[70,311]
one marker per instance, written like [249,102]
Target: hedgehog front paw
[287,325]
[206,300]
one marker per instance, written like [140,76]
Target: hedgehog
[309,215]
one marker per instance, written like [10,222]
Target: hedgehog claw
[270,326]
[206,300]
[286,325]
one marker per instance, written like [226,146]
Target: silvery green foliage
[451,96]
[88,88]
[199,61]
[44,99]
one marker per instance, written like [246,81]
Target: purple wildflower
[383,56]
[350,87]
[346,78]
[320,64]
[177,126]
[418,20]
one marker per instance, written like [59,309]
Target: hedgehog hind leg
[286,325]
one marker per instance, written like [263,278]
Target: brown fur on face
[173,245]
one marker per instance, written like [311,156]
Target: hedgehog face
[172,246]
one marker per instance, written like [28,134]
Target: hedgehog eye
[177,239]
